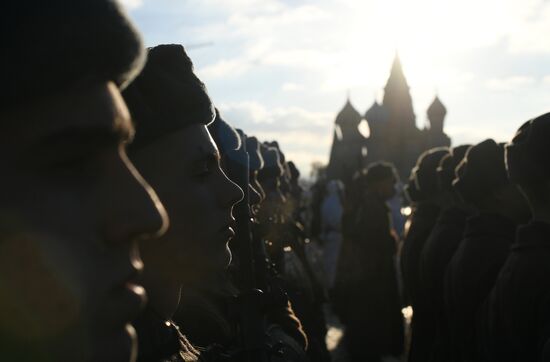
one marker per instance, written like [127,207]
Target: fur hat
[481,171]
[50,45]
[528,155]
[167,96]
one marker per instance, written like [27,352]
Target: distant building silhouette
[394,136]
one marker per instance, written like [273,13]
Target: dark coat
[436,255]
[423,220]
[514,323]
[366,292]
[471,275]
[422,223]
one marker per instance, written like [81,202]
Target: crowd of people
[472,261]
[139,225]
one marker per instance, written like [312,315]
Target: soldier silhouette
[72,206]
[499,207]
[439,249]
[515,320]
[366,295]
[174,150]
[428,204]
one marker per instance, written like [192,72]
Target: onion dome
[348,115]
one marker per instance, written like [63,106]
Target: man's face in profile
[71,209]
[184,168]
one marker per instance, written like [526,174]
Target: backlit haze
[282,69]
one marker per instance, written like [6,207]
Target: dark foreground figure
[365,293]
[482,182]
[439,249]
[72,204]
[427,207]
[515,320]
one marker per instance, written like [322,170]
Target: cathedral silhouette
[394,136]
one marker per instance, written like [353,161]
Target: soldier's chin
[118,346]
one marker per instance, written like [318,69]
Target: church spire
[396,68]
[397,98]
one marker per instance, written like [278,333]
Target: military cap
[225,136]
[253,149]
[275,145]
[294,172]
[447,166]
[272,163]
[49,46]
[167,96]
[481,171]
[528,154]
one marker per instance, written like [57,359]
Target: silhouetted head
[528,161]
[447,166]
[167,96]
[235,158]
[253,149]
[379,178]
[177,155]
[51,46]
[226,137]
[270,180]
[481,180]
[294,172]
[73,205]
[424,174]
[256,164]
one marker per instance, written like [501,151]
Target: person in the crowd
[482,182]
[175,152]
[72,206]
[202,313]
[514,322]
[427,209]
[256,164]
[285,246]
[365,292]
[439,249]
[332,210]
[212,313]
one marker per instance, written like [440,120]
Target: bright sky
[281,69]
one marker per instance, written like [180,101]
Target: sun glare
[429,36]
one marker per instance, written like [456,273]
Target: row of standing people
[473,261]
[474,258]
[136,223]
